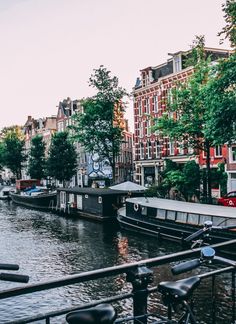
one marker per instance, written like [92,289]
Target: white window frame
[139,103]
[149,150]
[232,156]
[218,151]
[171,148]
[141,147]
[155,104]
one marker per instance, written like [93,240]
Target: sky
[49,48]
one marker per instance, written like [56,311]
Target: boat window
[204,218]
[86,196]
[161,213]
[218,221]
[181,217]
[79,202]
[171,214]
[71,198]
[99,200]
[231,221]
[193,219]
[144,211]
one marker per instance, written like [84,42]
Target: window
[218,150]
[141,151]
[140,130]
[149,150]
[148,127]
[158,150]
[139,104]
[177,63]
[147,104]
[155,104]
[171,148]
[232,154]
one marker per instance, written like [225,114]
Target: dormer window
[177,63]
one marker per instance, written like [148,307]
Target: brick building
[151,94]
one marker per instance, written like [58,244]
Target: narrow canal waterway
[47,246]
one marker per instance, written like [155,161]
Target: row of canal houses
[142,153]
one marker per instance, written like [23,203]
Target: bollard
[140,277]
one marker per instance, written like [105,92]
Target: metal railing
[137,273]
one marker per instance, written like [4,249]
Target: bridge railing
[139,274]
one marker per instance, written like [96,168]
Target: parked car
[228,200]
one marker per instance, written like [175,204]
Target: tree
[187,114]
[99,128]
[220,93]
[36,167]
[229,31]
[13,154]
[61,163]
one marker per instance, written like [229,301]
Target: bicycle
[10,276]
[202,236]
[175,294]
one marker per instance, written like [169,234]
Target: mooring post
[140,278]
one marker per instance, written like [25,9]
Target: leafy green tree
[36,167]
[229,31]
[99,127]
[61,162]
[13,154]
[187,114]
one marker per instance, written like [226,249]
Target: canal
[48,246]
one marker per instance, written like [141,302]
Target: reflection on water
[48,246]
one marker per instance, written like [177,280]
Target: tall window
[147,105]
[139,103]
[233,154]
[140,130]
[155,104]
[158,150]
[171,148]
[141,151]
[177,63]
[149,150]
[218,150]
[148,127]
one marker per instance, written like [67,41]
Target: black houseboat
[96,203]
[41,199]
[175,220]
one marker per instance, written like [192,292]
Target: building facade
[151,94]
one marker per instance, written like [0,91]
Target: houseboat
[37,198]
[30,194]
[95,203]
[175,220]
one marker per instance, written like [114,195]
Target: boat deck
[182,206]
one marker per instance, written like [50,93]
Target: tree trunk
[208,172]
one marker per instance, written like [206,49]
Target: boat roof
[187,207]
[93,191]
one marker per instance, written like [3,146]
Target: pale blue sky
[49,48]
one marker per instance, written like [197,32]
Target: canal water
[48,246]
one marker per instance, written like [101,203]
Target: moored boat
[175,220]
[39,199]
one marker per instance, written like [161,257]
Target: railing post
[140,277]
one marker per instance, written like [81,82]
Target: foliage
[36,167]
[187,114]
[229,31]
[220,98]
[99,128]
[61,163]
[184,180]
[13,150]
